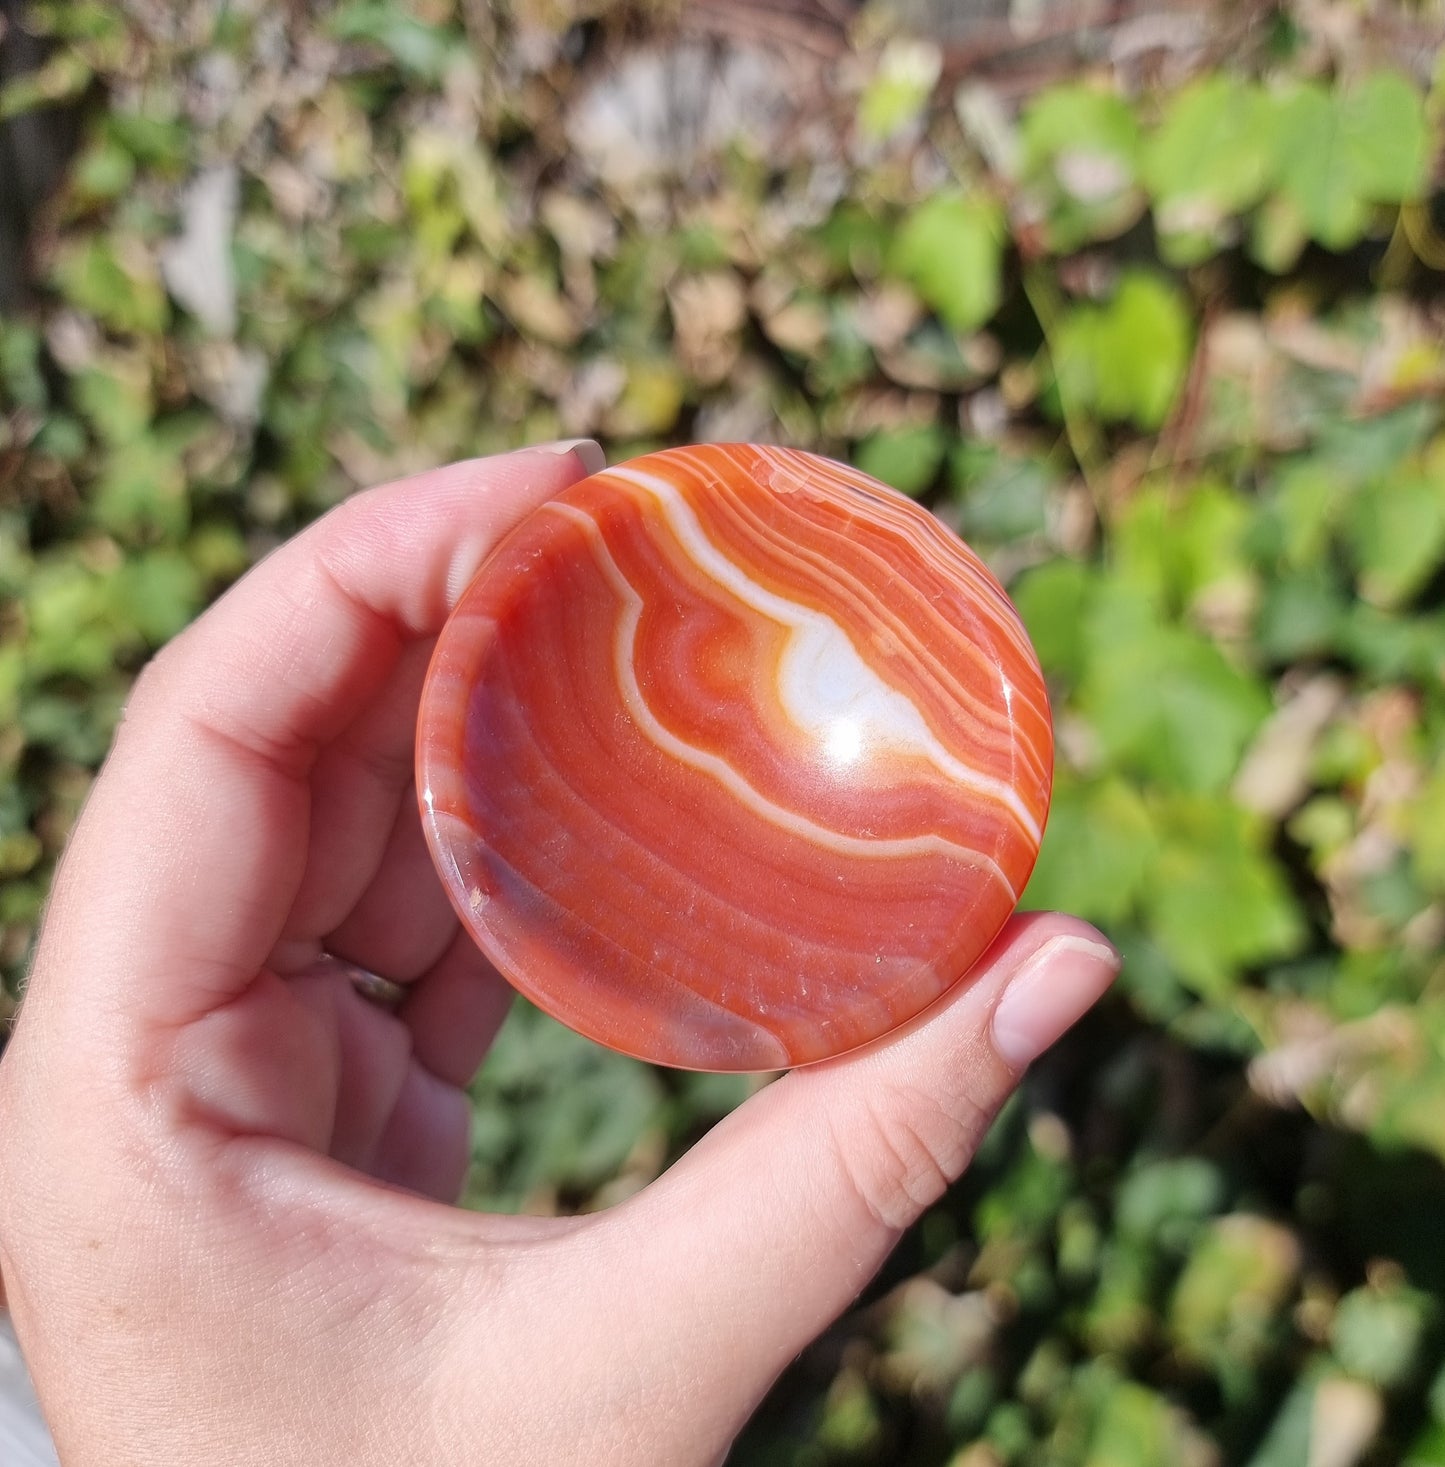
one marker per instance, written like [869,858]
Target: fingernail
[1053,990]
[588,450]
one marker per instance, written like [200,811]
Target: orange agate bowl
[732,758]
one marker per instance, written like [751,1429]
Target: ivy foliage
[1164,344]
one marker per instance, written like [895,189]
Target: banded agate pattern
[733,759]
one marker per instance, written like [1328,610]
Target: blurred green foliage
[1165,345]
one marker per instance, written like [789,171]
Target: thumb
[769,1227]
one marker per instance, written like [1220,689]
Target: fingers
[361,783]
[403,922]
[374,1054]
[392,1119]
[426,1144]
[454,1012]
[268,1063]
[192,849]
[774,1222]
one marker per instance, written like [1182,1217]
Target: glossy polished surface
[734,759]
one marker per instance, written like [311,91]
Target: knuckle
[905,1150]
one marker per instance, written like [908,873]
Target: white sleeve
[24,1441]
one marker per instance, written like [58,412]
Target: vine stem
[1082,433]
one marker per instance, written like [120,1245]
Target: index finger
[183,867]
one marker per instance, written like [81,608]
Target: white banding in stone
[624,652]
[822,673]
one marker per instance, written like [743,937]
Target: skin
[225,1177]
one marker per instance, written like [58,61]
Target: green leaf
[971,1400]
[906,458]
[1212,157]
[1076,119]
[1228,1305]
[1176,542]
[1008,1433]
[897,93]
[651,400]
[1098,852]
[553,1110]
[1385,137]
[852,1422]
[1278,235]
[67,611]
[1377,1333]
[1080,158]
[1121,1315]
[1163,701]
[1314,171]
[1339,152]
[1408,1109]
[92,21]
[1218,903]
[141,489]
[116,281]
[1169,1197]
[1052,599]
[855,240]
[1002,497]
[1302,614]
[423,51]
[1148,979]
[1307,503]
[1136,1428]
[157,594]
[1425,825]
[1397,529]
[116,397]
[62,438]
[21,379]
[950,250]
[1077,115]
[1125,361]
[60,79]
[1368,448]
[153,140]
[1428,1448]
[1289,1440]
[103,172]
[218,552]
[1392,646]
[1027,1200]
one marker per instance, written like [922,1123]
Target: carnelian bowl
[732,758]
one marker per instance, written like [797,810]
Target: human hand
[223,1172]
